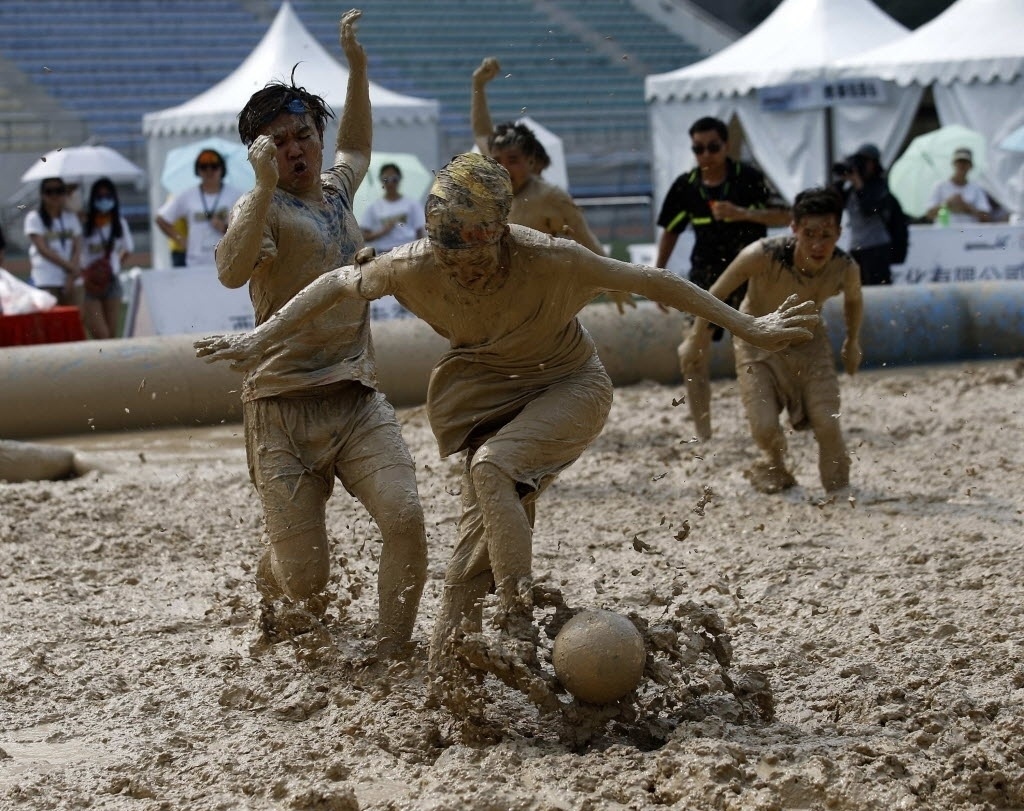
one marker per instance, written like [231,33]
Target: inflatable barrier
[80,387]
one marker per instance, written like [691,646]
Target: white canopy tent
[972,57]
[797,43]
[401,123]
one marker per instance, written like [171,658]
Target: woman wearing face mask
[55,242]
[105,235]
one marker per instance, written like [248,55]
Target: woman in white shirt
[104,234]
[55,242]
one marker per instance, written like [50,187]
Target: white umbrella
[416,180]
[83,165]
[179,165]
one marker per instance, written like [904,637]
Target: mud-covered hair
[818,201]
[277,97]
[510,134]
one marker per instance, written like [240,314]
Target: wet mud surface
[859,653]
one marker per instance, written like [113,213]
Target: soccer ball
[599,656]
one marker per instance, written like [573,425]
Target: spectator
[963,200]
[55,242]
[522,390]
[3,247]
[105,236]
[729,205]
[392,220]
[206,208]
[313,413]
[800,379]
[865,189]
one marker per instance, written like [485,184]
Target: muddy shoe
[768,478]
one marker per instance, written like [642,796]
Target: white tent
[400,123]
[972,57]
[796,44]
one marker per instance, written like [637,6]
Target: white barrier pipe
[75,388]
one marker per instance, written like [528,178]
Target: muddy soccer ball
[599,656]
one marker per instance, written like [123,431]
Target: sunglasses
[713,148]
[55,191]
[203,166]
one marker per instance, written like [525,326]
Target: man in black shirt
[729,205]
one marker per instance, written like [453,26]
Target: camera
[849,165]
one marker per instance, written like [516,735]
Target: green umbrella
[928,160]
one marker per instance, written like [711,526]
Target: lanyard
[209,212]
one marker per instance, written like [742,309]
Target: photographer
[861,181]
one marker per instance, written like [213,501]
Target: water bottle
[942,218]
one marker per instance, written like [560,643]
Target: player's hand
[263,157]
[241,350]
[487,71]
[852,356]
[354,52]
[790,324]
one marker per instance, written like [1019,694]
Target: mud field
[861,654]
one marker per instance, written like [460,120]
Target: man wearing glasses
[205,207]
[729,205]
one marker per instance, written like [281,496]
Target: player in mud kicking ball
[311,408]
[802,379]
[521,389]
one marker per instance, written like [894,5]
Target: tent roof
[797,41]
[972,40]
[286,43]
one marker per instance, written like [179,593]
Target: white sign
[959,253]
[818,93]
[180,301]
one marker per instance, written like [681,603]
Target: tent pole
[829,151]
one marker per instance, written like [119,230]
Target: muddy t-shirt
[305,240]
[506,345]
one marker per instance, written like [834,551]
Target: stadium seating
[576,66]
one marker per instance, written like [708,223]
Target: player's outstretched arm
[853,314]
[245,350]
[479,114]
[355,131]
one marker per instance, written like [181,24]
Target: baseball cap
[963,154]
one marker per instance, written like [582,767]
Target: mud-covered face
[816,238]
[516,163]
[300,151]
